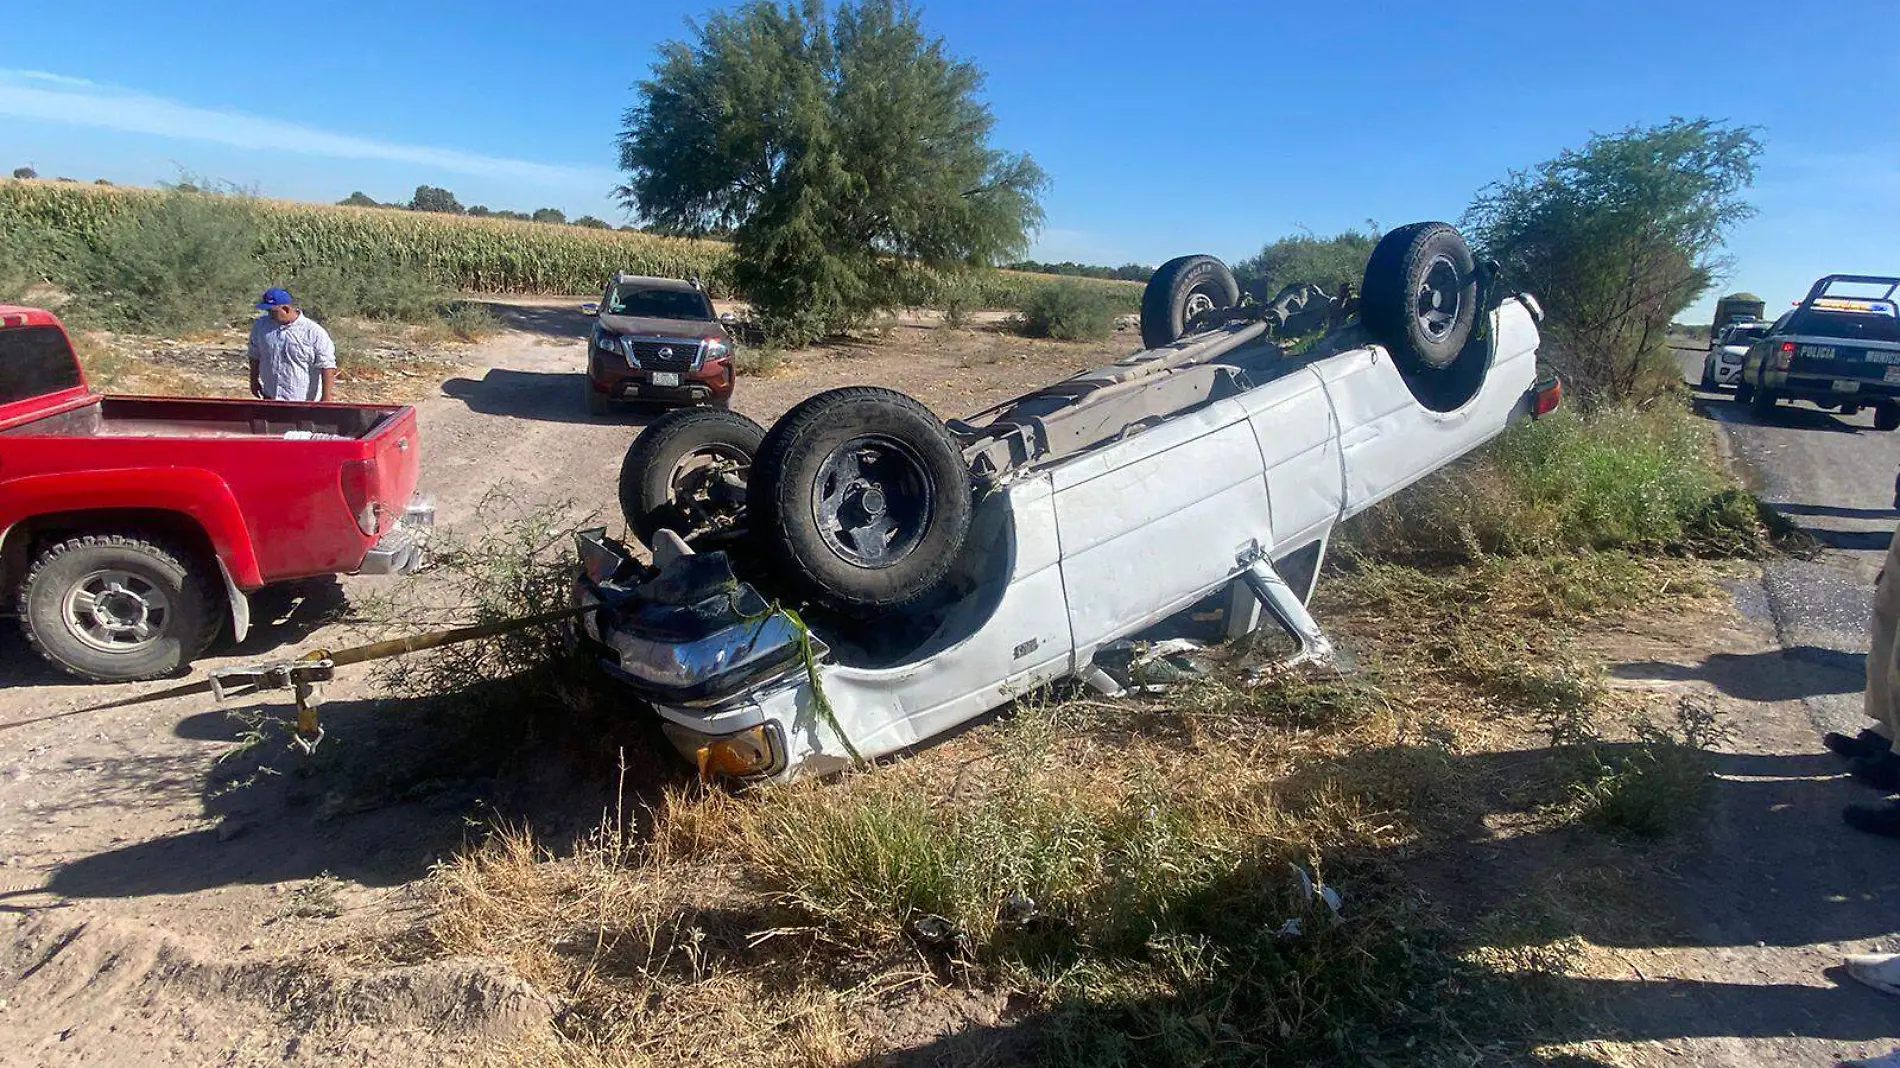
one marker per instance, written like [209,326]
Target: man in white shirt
[292,358]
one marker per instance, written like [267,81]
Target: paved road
[1834,476]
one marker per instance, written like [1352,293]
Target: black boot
[1866,743]
[1882,771]
[1883,820]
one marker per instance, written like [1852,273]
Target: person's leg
[1876,742]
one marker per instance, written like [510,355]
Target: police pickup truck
[1839,348]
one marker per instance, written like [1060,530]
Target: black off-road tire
[1887,416]
[189,624]
[1708,378]
[1744,392]
[1396,276]
[1180,282]
[646,473]
[785,491]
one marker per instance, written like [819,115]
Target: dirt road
[1781,888]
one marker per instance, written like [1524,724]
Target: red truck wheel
[115,608]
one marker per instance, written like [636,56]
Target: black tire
[1762,403]
[1182,288]
[1408,264]
[669,459]
[1887,416]
[596,401]
[1743,391]
[1708,378]
[130,584]
[860,500]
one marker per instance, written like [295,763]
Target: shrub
[376,289]
[187,263]
[1619,478]
[1068,311]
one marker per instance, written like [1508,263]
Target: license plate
[1841,386]
[664,378]
[1817,352]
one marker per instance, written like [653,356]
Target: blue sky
[1165,130]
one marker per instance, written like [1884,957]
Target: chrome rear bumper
[401,550]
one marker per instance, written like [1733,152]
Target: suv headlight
[713,349]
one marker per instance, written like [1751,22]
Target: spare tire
[860,500]
[1181,289]
[686,473]
[1420,297]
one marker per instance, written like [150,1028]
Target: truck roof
[18,315]
[679,285]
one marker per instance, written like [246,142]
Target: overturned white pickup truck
[940,570]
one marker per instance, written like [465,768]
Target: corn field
[476,255]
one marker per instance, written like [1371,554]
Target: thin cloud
[56,98]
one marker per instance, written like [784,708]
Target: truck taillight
[362,484]
[1784,356]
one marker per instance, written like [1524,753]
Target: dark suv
[657,340]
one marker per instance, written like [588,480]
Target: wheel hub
[708,488]
[1439,299]
[116,611]
[872,501]
[1198,304]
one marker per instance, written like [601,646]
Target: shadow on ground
[394,786]
[1774,675]
[1876,541]
[544,396]
[1831,511]
[1794,417]
[558,321]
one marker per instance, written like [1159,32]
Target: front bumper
[696,644]
[611,376]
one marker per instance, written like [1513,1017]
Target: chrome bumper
[685,647]
[400,551]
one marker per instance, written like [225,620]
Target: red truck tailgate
[313,487]
[393,460]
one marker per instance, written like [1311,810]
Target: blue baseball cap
[274,297]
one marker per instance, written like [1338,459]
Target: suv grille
[665,356]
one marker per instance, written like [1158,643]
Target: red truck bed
[252,492]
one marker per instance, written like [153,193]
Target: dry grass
[1121,872]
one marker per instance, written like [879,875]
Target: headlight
[713,349]
[609,343]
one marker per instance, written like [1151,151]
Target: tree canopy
[830,147]
[1327,262]
[1617,238]
[435,198]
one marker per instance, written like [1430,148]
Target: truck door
[1149,524]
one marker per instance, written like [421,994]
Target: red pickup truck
[132,528]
